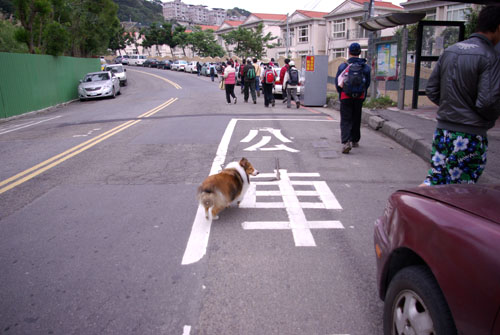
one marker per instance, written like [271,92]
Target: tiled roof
[380,4]
[204,27]
[276,17]
[310,13]
[233,23]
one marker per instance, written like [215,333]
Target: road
[100,231]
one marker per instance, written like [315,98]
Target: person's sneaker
[255,102]
[235,99]
[258,94]
[298,104]
[246,101]
[284,101]
[228,103]
[355,144]
[346,148]
[273,103]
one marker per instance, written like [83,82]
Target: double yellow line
[34,171]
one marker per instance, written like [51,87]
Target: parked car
[165,64]
[278,85]
[179,65]
[125,60]
[150,62]
[191,67]
[119,71]
[438,264]
[98,85]
[205,70]
[136,60]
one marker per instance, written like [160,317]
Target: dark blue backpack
[355,83]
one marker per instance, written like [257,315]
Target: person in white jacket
[290,83]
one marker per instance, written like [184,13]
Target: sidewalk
[414,129]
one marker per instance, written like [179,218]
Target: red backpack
[269,76]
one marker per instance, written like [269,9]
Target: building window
[339,29]
[337,53]
[303,34]
[457,12]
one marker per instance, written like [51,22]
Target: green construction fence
[33,82]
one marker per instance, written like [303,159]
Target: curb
[405,137]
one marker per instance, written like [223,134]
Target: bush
[331,95]
[380,102]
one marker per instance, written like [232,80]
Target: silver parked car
[98,84]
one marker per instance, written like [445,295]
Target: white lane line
[25,125]
[186,330]
[198,240]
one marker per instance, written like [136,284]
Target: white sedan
[191,67]
[98,85]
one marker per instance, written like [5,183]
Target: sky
[274,6]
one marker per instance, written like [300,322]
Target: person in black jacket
[465,84]
[249,76]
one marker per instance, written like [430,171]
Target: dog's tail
[206,197]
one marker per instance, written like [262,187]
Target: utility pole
[372,51]
[402,71]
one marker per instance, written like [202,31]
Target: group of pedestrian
[465,84]
[255,76]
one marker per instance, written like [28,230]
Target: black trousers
[230,92]
[250,85]
[268,93]
[350,120]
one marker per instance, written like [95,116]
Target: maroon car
[438,260]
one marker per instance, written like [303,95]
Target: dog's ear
[244,162]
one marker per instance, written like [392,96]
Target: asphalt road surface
[100,230]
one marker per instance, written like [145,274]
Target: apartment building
[270,22]
[193,14]
[342,26]
[306,35]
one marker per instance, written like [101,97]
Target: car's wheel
[414,304]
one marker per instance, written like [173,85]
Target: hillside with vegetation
[142,11]
[238,12]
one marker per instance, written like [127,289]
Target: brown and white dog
[218,191]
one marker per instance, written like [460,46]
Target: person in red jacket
[284,70]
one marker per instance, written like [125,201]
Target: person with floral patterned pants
[465,84]
[457,158]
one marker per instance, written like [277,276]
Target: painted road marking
[58,159]
[197,243]
[25,125]
[298,224]
[177,86]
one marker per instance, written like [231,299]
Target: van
[136,60]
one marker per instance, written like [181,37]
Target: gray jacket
[465,84]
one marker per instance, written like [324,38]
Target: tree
[249,42]
[8,42]
[32,14]
[181,38]
[203,42]
[119,40]
[79,28]
[56,39]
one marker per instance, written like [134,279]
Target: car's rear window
[96,77]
